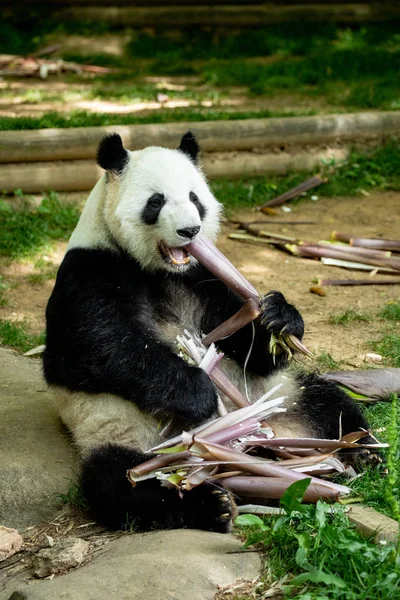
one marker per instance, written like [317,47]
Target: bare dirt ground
[267,268]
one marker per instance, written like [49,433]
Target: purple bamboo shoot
[273,488]
[216,262]
[321,251]
[249,311]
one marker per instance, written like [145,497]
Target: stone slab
[37,461]
[164,565]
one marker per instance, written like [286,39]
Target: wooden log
[214,136]
[79,175]
[255,15]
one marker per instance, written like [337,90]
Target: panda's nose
[188,232]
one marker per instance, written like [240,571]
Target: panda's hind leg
[319,408]
[114,503]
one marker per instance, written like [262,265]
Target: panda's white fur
[116,207]
[111,357]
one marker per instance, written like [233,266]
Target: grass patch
[389,347]
[327,558]
[82,118]
[378,491]
[16,336]
[325,362]
[74,497]
[349,316]
[391,312]
[25,232]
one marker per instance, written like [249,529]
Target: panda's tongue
[179,256]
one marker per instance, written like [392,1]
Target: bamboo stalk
[350,282]
[262,467]
[377,243]
[292,193]
[216,262]
[249,311]
[380,244]
[321,251]
[273,488]
[153,464]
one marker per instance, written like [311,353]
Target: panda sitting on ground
[125,289]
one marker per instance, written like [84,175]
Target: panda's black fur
[110,357]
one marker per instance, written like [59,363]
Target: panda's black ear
[111,154]
[190,146]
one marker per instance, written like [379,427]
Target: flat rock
[60,558]
[164,565]
[10,542]
[36,458]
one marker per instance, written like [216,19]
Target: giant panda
[125,289]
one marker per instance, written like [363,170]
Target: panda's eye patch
[194,198]
[152,209]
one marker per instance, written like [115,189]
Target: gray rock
[36,458]
[10,542]
[164,565]
[60,558]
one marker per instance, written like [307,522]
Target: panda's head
[157,201]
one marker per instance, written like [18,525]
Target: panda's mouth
[174,256]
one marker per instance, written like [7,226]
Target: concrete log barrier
[214,136]
[80,175]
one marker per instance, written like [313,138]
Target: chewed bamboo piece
[216,262]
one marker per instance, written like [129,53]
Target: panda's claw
[278,316]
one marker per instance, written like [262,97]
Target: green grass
[16,336]
[74,497]
[349,316]
[320,555]
[378,491]
[26,232]
[325,362]
[363,170]
[391,312]
[81,118]
[389,347]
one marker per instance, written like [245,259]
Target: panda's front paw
[279,316]
[198,400]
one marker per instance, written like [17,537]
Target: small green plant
[321,551]
[15,335]
[325,362]
[74,497]
[391,312]
[349,316]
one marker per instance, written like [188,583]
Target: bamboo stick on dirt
[354,282]
[292,193]
[359,242]
[321,251]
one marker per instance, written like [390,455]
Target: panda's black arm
[101,340]
[222,303]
